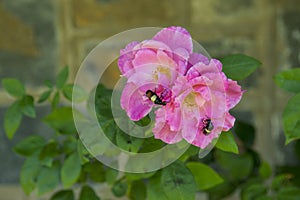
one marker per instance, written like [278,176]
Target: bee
[208,126]
[154,98]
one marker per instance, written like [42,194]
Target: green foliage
[63,159]
[205,176]
[30,145]
[178,182]
[70,170]
[13,87]
[63,195]
[291,119]
[12,119]
[61,120]
[88,193]
[289,80]
[227,143]
[239,66]
[62,77]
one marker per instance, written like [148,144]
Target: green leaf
[88,193]
[235,167]
[239,66]
[63,195]
[288,193]
[29,145]
[127,142]
[205,176]
[138,176]
[280,181]
[61,119]
[70,171]
[253,191]
[29,172]
[178,182]
[48,178]
[154,189]
[95,171]
[82,152]
[14,87]
[74,93]
[48,152]
[27,106]
[265,170]
[55,100]
[69,145]
[48,83]
[111,176]
[44,96]
[245,132]
[119,189]
[227,143]
[62,77]
[12,119]
[137,190]
[289,80]
[103,102]
[291,119]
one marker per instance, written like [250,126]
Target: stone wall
[38,38]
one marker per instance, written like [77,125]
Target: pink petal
[126,56]
[162,129]
[233,93]
[229,122]
[134,103]
[175,38]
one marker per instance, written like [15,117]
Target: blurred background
[38,38]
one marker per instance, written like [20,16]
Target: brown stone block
[120,14]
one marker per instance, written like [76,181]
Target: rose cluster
[191,94]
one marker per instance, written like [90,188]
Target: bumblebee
[154,98]
[208,126]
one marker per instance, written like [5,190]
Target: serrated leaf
[55,100]
[178,182]
[227,143]
[137,190]
[44,96]
[289,80]
[48,178]
[88,193]
[205,176]
[12,119]
[61,119]
[154,189]
[291,119]
[27,106]
[62,77]
[71,169]
[63,195]
[239,66]
[29,172]
[14,87]
[29,145]
[74,93]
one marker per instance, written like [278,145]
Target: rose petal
[133,103]
[175,37]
